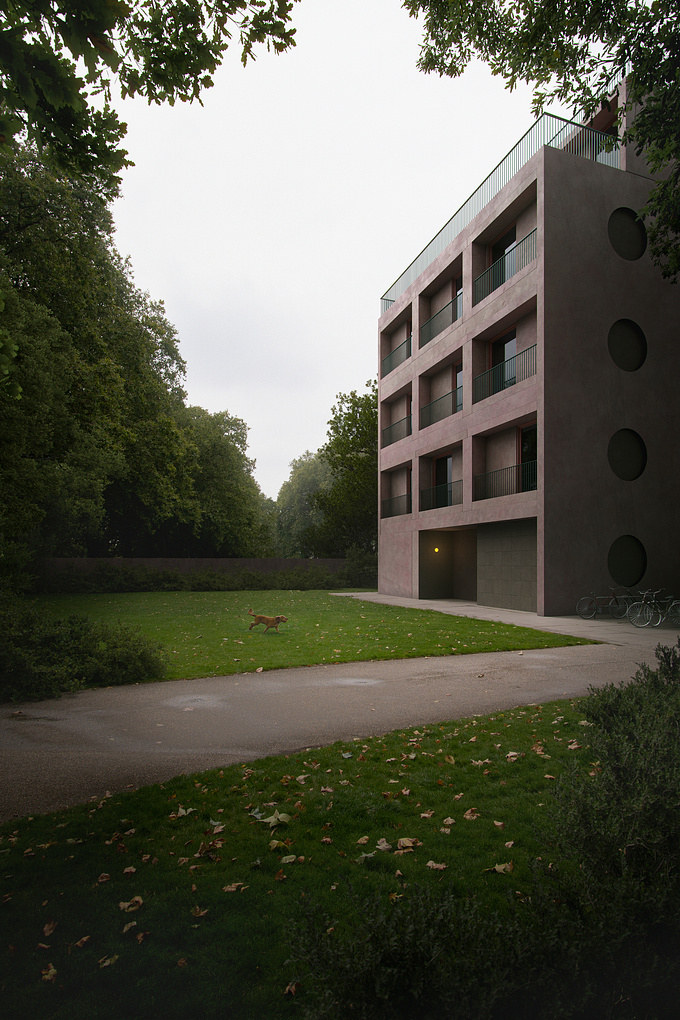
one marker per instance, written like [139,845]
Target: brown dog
[271,621]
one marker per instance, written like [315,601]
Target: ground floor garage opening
[448,564]
[507,564]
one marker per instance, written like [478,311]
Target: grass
[206,633]
[174,900]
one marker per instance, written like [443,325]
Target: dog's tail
[251,613]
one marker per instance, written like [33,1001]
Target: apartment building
[529,362]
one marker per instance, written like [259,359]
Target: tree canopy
[57,55]
[577,52]
[99,453]
[348,503]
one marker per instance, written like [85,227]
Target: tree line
[100,452]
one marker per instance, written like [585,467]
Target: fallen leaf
[449,821]
[292,987]
[49,928]
[197,912]
[81,942]
[502,869]
[436,867]
[471,814]
[362,839]
[128,926]
[427,814]
[107,961]
[499,825]
[288,859]
[407,843]
[129,871]
[133,904]
[382,844]
[49,973]
[279,876]
[450,759]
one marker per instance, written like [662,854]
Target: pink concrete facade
[527,452]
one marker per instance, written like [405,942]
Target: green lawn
[174,900]
[207,633]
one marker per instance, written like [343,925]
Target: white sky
[271,219]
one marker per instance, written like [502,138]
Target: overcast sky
[272,219]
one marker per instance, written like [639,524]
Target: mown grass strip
[207,633]
[173,900]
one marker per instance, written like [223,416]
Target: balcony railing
[442,407]
[447,494]
[399,430]
[397,505]
[505,267]
[547,130]
[397,357]
[516,369]
[441,319]
[506,481]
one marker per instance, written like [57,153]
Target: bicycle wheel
[617,607]
[586,607]
[674,614]
[640,614]
[657,614]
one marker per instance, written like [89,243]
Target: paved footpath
[57,753]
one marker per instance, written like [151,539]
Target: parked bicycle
[614,603]
[651,610]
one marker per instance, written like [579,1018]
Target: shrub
[42,658]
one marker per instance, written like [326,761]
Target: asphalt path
[54,754]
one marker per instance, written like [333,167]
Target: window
[503,352]
[528,455]
[443,476]
[457,388]
[502,258]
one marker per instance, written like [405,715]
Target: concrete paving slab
[57,753]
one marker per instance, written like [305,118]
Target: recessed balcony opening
[512,369]
[515,256]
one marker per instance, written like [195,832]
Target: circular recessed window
[627,454]
[627,234]
[627,345]
[627,560]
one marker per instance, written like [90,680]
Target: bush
[600,934]
[360,570]
[41,657]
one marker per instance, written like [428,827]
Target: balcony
[547,130]
[517,258]
[399,430]
[397,505]
[516,369]
[506,481]
[444,406]
[447,494]
[441,319]
[397,357]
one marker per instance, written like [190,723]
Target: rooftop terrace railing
[547,130]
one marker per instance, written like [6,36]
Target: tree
[349,504]
[99,454]
[295,510]
[164,50]
[577,52]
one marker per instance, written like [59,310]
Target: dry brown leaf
[133,904]
[436,867]
[49,928]
[471,814]
[49,973]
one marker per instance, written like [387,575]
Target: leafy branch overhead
[577,53]
[55,56]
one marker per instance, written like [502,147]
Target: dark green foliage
[360,571]
[41,657]
[598,937]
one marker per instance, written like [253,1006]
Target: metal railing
[399,430]
[547,130]
[446,494]
[505,481]
[505,267]
[442,407]
[397,357]
[441,319]
[397,505]
[516,369]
